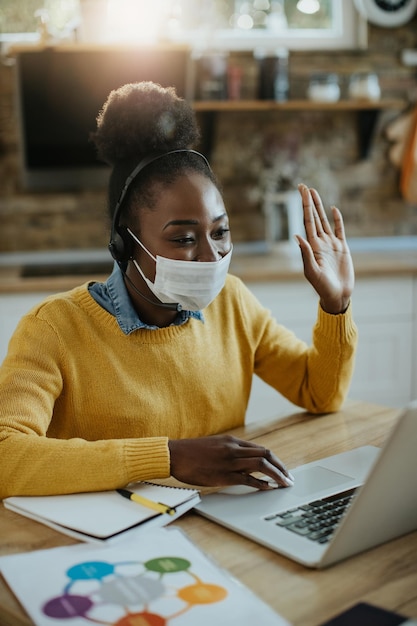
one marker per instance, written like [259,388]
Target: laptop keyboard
[316,520]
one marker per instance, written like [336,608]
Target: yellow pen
[149,504]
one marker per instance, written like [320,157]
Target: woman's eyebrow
[181,223]
[191,222]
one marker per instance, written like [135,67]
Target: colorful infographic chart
[145,594]
[158,578]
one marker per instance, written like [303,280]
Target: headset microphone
[175,306]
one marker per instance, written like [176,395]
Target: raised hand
[225,460]
[326,257]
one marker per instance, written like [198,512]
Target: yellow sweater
[84,407]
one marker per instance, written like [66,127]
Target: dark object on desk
[363,614]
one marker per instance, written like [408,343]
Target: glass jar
[364,86]
[323,88]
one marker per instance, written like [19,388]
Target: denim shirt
[114,298]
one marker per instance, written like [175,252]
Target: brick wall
[322,148]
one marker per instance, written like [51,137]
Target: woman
[130,379]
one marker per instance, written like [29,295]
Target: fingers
[312,211]
[254,458]
[309,260]
[316,222]
[339,227]
[320,215]
[265,481]
[309,221]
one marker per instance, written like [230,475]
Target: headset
[120,244]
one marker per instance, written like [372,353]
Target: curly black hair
[140,119]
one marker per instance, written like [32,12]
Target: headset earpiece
[120,244]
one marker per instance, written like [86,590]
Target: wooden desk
[385,576]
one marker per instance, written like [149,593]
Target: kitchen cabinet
[385,311]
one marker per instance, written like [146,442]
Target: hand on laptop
[327,261]
[223,460]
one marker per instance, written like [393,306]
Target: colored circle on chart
[67,606]
[141,619]
[90,570]
[202,593]
[167,565]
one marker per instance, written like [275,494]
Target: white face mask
[192,284]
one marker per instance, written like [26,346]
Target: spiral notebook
[105,515]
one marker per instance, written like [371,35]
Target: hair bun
[140,118]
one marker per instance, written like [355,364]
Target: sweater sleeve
[33,463]
[315,377]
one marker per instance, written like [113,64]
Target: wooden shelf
[366,111]
[297,105]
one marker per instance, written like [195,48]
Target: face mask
[192,284]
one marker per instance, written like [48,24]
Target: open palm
[326,257]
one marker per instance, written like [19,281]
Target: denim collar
[114,298]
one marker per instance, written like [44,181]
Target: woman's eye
[221,232]
[184,240]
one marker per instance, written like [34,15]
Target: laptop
[339,505]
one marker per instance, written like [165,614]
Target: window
[22,19]
[248,24]
[214,24]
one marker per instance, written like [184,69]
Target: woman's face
[188,222]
